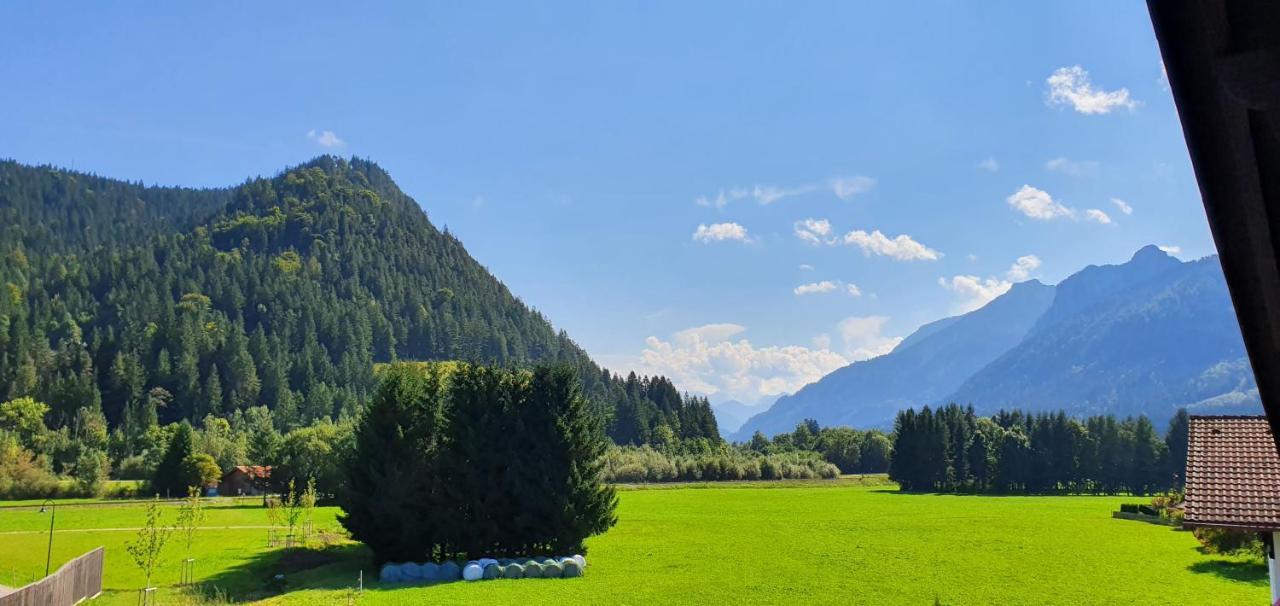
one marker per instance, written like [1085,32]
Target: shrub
[22,475]
[136,467]
[91,472]
[1218,540]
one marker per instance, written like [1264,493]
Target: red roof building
[243,480]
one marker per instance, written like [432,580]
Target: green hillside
[162,304]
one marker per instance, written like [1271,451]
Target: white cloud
[990,165]
[827,286]
[1074,168]
[863,338]
[814,288]
[974,291]
[1038,204]
[325,138]
[1097,216]
[902,247]
[720,232]
[768,194]
[1022,268]
[722,198]
[1071,86]
[847,187]
[806,267]
[1123,206]
[709,360]
[1171,249]
[813,231]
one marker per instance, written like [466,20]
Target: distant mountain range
[1143,337]
[731,414]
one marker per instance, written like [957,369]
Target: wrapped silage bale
[483,562]
[450,571]
[491,572]
[582,562]
[532,570]
[410,571]
[552,570]
[513,571]
[571,568]
[429,571]
[390,573]
[472,572]
[504,561]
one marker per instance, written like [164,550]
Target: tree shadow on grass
[336,567]
[282,570]
[1250,572]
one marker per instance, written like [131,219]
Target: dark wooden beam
[1223,62]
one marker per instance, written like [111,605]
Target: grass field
[834,542]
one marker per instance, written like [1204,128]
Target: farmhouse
[244,480]
[1233,481]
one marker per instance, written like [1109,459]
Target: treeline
[34,458]
[809,452]
[630,464]
[851,450]
[953,449]
[159,305]
[462,461]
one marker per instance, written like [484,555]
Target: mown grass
[842,542]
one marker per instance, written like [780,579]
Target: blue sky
[687,188]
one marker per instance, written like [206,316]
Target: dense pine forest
[952,449]
[145,306]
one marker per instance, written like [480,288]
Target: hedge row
[629,464]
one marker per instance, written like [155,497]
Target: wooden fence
[73,583]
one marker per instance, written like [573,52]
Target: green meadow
[834,542]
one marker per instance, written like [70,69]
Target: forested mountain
[926,366]
[1143,337]
[47,210]
[161,304]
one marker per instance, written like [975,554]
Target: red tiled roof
[1233,474]
[253,471]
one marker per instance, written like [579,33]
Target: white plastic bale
[472,572]
[582,562]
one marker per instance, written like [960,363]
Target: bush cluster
[630,464]
[460,461]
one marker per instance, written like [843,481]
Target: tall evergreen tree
[170,479]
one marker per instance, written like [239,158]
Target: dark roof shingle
[1233,474]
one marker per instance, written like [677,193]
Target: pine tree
[170,478]
[587,505]
[393,498]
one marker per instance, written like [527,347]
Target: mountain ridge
[1140,337]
